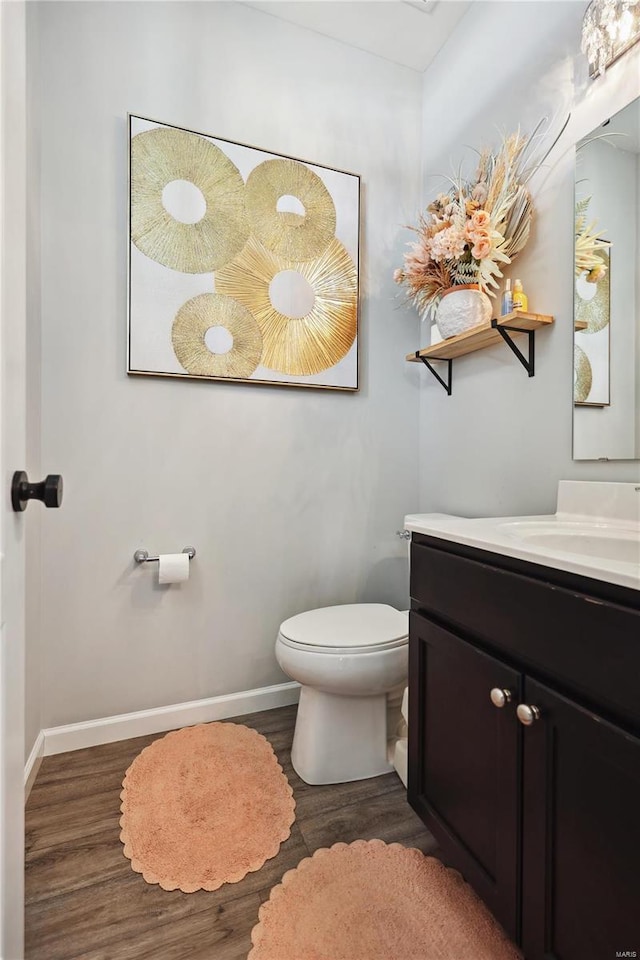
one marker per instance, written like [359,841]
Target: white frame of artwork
[156,292]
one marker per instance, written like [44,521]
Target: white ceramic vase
[461,308]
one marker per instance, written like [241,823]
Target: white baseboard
[76,736]
[32,765]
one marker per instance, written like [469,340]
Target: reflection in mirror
[606,411]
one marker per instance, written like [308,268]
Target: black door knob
[48,490]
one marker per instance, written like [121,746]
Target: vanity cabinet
[462,777]
[581,833]
[540,814]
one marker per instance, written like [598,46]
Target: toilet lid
[351,625]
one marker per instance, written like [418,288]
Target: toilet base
[339,738]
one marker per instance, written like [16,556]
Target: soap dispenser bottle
[520,299]
[507,299]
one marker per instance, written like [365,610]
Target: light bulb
[625,26]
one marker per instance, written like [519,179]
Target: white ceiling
[409,32]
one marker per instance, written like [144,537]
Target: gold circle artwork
[159,157]
[293,236]
[298,346]
[583,375]
[596,312]
[190,326]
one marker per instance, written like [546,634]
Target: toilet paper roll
[173,567]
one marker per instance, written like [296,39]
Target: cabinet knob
[499,697]
[527,714]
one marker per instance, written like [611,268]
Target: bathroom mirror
[606,379]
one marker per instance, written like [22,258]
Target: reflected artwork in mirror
[606,378]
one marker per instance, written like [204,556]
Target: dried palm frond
[588,242]
[517,224]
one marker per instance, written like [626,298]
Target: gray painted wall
[501,442]
[291,497]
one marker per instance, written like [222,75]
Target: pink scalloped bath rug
[204,806]
[370,900]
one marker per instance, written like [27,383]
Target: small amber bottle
[520,299]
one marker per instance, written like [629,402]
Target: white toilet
[348,660]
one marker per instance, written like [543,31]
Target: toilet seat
[351,628]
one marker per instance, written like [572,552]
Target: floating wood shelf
[485,335]
[580,325]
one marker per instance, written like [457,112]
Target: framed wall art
[592,387]
[243,264]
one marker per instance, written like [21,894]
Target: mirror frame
[578,142]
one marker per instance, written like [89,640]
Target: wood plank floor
[84,901]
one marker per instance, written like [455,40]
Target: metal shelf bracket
[445,383]
[503,330]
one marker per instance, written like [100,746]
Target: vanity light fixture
[609,29]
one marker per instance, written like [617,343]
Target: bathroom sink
[586,539]
[595,532]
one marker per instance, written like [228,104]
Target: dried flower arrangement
[587,243]
[468,233]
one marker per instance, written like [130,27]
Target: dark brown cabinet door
[464,761]
[581,853]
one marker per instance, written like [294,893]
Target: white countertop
[601,541]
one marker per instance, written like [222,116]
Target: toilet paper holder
[142,556]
